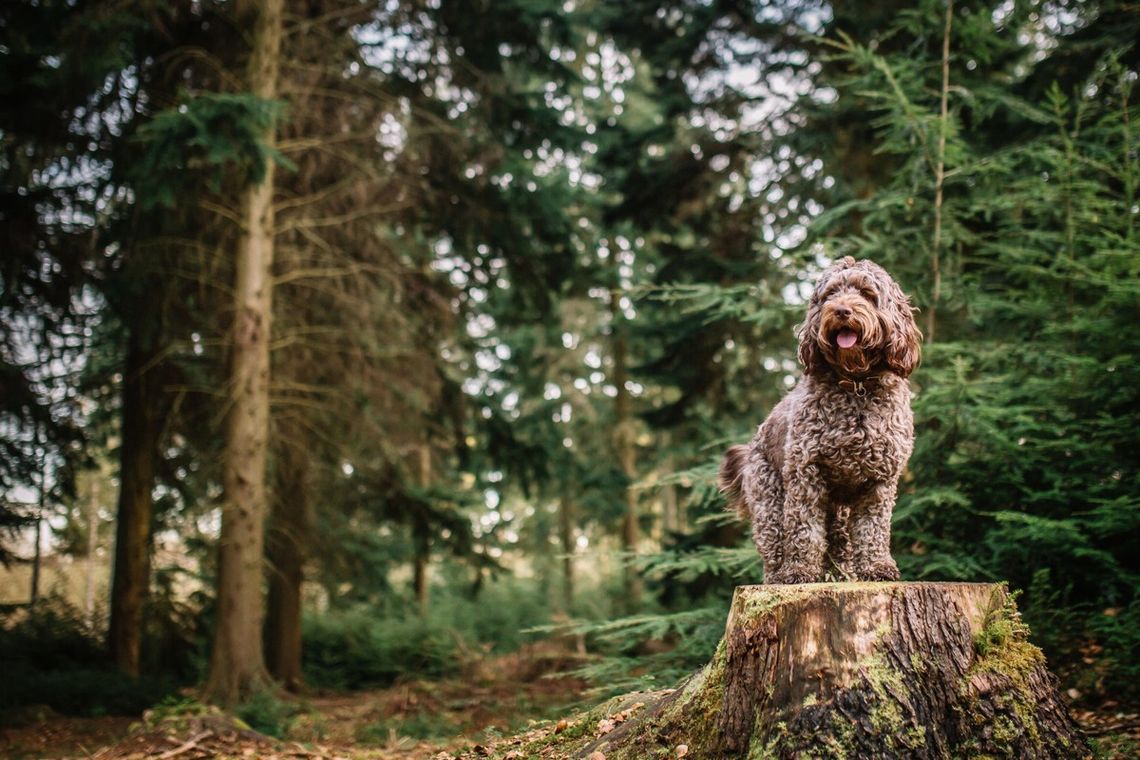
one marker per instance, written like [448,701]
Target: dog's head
[859,321]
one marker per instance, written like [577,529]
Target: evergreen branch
[713,303]
[652,626]
[687,566]
[880,63]
[705,473]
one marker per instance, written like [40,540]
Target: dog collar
[857,386]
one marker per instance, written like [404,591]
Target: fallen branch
[1118,728]
[186,746]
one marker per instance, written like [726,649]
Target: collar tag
[854,386]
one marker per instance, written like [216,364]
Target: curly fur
[818,481]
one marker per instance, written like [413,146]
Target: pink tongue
[846,339]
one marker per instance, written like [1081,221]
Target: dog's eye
[870,295]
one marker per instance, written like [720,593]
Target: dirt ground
[495,698]
[472,716]
[406,721]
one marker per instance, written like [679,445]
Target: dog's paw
[880,571]
[792,577]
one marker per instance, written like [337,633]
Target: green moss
[1004,650]
[581,728]
[688,717]
[886,682]
[693,716]
[754,604]
[765,745]
[841,738]
[1006,731]
[915,737]
[887,711]
[574,731]
[758,601]
[708,678]
[1003,645]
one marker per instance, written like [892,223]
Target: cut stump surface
[849,670]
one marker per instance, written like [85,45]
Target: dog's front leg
[871,534]
[804,526]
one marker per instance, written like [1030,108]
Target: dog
[819,479]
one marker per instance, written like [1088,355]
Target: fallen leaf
[605,725]
[561,726]
[681,750]
[597,755]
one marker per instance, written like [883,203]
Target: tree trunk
[92,546]
[237,662]
[37,550]
[37,558]
[285,552]
[624,448]
[138,454]
[866,670]
[566,535]
[422,550]
[671,516]
[940,178]
[421,537]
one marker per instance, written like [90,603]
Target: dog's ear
[904,347]
[809,353]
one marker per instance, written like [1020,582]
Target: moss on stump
[845,670]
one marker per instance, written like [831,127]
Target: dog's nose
[843,312]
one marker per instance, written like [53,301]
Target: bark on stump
[850,670]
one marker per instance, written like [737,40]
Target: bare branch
[339,219]
[221,211]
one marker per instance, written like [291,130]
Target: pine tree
[237,662]
[60,64]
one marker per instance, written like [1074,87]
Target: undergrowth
[52,658]
[372,645]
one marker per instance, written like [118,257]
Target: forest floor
[472,716]
[494,698]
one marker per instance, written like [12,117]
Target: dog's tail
[731,481]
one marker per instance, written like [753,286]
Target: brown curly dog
[818,481]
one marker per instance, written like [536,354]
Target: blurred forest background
[344,342]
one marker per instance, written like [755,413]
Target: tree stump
[849,670]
